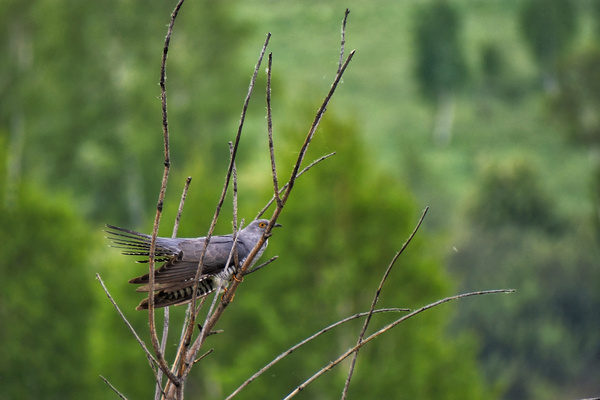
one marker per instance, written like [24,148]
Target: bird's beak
[277,225]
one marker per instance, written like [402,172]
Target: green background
[511,176]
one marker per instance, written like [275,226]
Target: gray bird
[174,280]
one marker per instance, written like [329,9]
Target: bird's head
[259,226]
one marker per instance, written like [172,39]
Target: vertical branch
[250,258]
[374,303]
[235,211]
[284,187]
[313,129]
[163,344]
[343,45]
[270,132]
[186,187]
[186,358]
[161,198]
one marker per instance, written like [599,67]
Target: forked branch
[385,329]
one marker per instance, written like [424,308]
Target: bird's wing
[182,268]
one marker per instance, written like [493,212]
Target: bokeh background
[488,112]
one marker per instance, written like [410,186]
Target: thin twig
[188,360]
[233,253]
[251,256]
[313,128]
[149,356]
[205,332]
[234,247]
[270,132]
[230,169]
[385,329]
[303,342]
[113,388]
[161,198]
[312,164]
[205,354]
[140,341]
[163,344]
[182,343]
[343,39]
[254,269]
[374,303]
[186,187]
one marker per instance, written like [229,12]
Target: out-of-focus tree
[441,68]
[576,103]
[549,27]
[46,297]
[510,194]
[546,339]
[80,95]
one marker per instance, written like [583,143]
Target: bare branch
[113,388]
[149,356]
[226,298]
[254,269]
[205,354]
[343,40]
[308,339]
[166,313]
[270,133]
[313,128]
[374,303]
[161,198]
[140,341]
[187,360]
[318,160]
[385,329]
[234,248]
[186,187]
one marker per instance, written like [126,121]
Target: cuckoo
[174,280]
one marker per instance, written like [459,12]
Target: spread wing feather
[182,255]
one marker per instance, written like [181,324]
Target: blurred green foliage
[554,266]
[441,66]
[46,298]
[514,199]
[548,27]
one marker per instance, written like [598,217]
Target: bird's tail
[176,297]
[138,244]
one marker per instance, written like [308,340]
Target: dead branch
[185,356]
[313,129]
[386,329]
[187,351]
[186,187]
[151,359]
[161,198]
[374,303]
[270,133]
[140,341]
[254,269]
[343,45]
[318,160]
[166,314]
[113,388]
[308,339]
[250,258]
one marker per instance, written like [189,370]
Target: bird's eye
[262,224]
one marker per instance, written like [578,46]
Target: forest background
[485,111]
